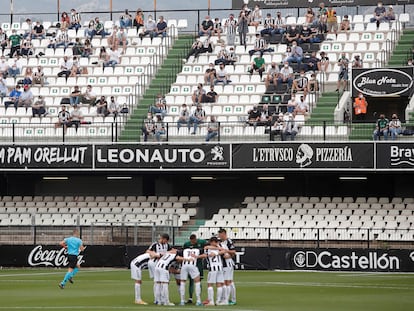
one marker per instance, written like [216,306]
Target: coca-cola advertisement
[44,257]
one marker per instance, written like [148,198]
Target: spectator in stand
[159,127]
[74,97]
[112,40]
[253,117]
[139,20]
[272,75]
[212,128]
[98,29]
[394,126]
[149,28]
[15,69]
[38,31]
[222,76]
[243,27]
[260,46]
[290,128]
[65,67]
[360,108]
[14,43]
[149,126]
[345,24]
[343,64]
[322,18]
[184,116]
[256,16]
[381,128]
[309,17]
[4,67]
[196,49]
[286,74]
[297,55]
[292,34]
[161,28]
[63,118]
[211,96]
[39,76]
[302,107]
[64,21]
[265,116]
[277,126]
[313,84]
[160,106]
[280,24]
[3,88]
[28,75]
[268,25]
[3,41]
[231,28]
[113,107]
[379,14]
[125,20]
[390,14]
[13,97]
[39,107]
[87,49]
[26,48]
[206,27]
[231,57]
[198,117]
[198,94]
[76,117]
[76,69]
[312,63]
[306,35]
[121,40]
[89,97]
[103,55]
[113,58]
[210,74]
[217,28]
[75,20]
[102,107]
[78,48]
[301,84]
[331,20]
[28,30]
[357,62]
[324,63]
[222,55]
[258,65]
[26,97]
[410,62]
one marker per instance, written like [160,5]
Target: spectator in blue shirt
[161,28]
[13,97]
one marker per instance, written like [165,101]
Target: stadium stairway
[403,49]
[324,109]
[161,83]
[187,229]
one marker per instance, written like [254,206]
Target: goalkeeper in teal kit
[74,246]
[195,243]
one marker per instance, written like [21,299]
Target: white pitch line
[338,285]
[113,308]
[53,273]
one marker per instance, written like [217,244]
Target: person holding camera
[343,77]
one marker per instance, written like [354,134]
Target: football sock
[191,288]
[219,293]
[74,272]
[165,293]
[226,293]
[68,275]
[210,293]
[137,291]
[198,291]
[182,291]
[156,292]
[233,291]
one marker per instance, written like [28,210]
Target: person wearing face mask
[3,41]
[301,84]
[381,128]
[184,116]
[292,34]
[322,15]
[75,20]
[332,22]
[309,16]
[280,24]
[222,55]
[410,62]
[343,64]
[198,94]
[149,27]
[149,126]
[256,17]
[230,26]
[360,108]
[206,27]
[243,27]
[357,62]
[272,75]
[394,126]
[286,75]
[379,14]
[306,35]
[297,55]
[4,67]
[210,74]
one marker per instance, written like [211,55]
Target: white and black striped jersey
[228,244]
[215,263]
[231,26]
[260,43]
[166,261]
[189,253]
[159,248]
[269,22]
[141,261]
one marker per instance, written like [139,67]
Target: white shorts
[161,275]
[215,277]
[228,273]
[151,268]
[136,273]
[189,270]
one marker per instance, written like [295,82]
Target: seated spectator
[256,16]
[390,14]
[149,126]
[253,116]
[302,107]
[149,28]
[222,55]
[121,40]
[161,29]
[113,107]
[312,63]
[3,87]
[4,67]
[199,47]
[290,128]
[260,46]
[357,62]
[268,26]
[231,57]
[210,97]
[184,116]
[159,127]
[272,75]
[39,76]
[277,126]
[14,43]
[160,106]
[39,107]
[297,55]
[306,35]
[217,29]
[98,29]
[206,27]
[26,48]
[102,107]
[394,126]
[345,24]
[291,105]
[63,118]
[381,128]
[78,47]
[196,118]
[87,49]
[27,78]
[103,55]
[75,20]
[331,20]
[89,97]
[286,74]
[379,14]
[125,20]
[65,67]
[76,117]
[198,94]
[139,20]
[309,16]
[3,41]
[292,34]
[222,76]
[76,69]
[113,58]
[280,24]
[88,32]
[265,116]
[13,97]
[38,31]
[287,54]
[313,84]
[64,21]
[74,97]
[258,65]
[212,128]
[210,74]
[26,97]
[28,30]
[301,84]
[324,63]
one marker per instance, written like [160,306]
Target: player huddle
[163,260]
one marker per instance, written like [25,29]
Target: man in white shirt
[89,97]
[302,107]
[286,74]
[222,75]
[65,67]
[113,58]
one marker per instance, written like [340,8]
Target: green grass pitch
[112,289]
